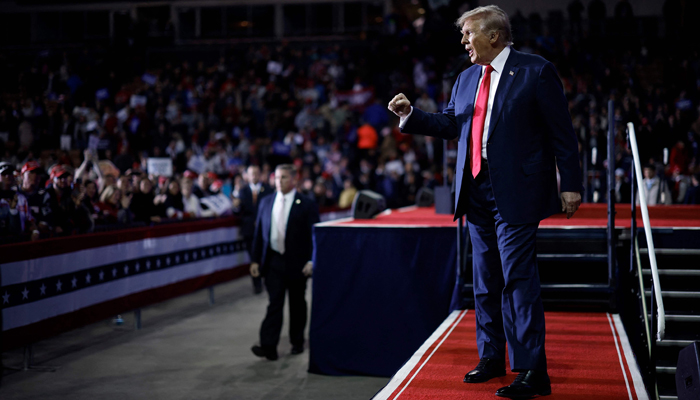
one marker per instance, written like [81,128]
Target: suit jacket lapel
[267,217]
[472,87]
[504,85]
[294,211]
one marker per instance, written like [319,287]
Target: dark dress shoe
[527,384]
[297,349]
[486,369]
[270,354]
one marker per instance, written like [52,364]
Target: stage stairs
[573,267]
[678,260]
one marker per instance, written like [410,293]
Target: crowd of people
[76,135]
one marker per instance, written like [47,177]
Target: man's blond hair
[491,19]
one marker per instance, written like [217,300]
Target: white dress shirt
[498,64]
[288,200]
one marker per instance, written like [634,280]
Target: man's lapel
[510,71]
[472,85]
[267,216]
[295,210]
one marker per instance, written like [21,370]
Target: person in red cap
[35,194]
[61,207]
[201,189]
[190,175]
[215,187]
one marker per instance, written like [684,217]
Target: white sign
[160,166]
[137,100]
[220,204]
[93,142]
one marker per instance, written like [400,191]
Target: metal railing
[656,290]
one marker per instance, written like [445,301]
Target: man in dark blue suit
[514,129]
[282,251]
[249,197]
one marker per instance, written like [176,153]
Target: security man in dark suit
[282,250]
[250,196]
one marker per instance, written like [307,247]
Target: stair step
[673,252]
[674,272]
[676,294]
[561,286]
[673,343]
[602,257]
[683,318]
[665,370]
[569,256]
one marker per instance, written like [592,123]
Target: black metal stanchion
[611,197]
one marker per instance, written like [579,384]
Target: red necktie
[482,103]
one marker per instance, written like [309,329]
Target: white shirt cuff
[402,121]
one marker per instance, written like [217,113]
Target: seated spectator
[15,216]
[622,187]
[30,187]
[171,202]
[320,193]
[142,204]
[347,195]
[87,211]
[110,205]
[59,206]
[192,207]
[692,195]
[655,189]
[163,183]
[124,185]
[203,182]
[218,204]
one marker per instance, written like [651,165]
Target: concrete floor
[186,349]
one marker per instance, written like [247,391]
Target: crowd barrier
[54,285]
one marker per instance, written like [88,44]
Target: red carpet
[588,216]
[588,356]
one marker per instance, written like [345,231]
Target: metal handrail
[661,329]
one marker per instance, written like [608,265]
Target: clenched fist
[400,105]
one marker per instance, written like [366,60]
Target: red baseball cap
[217,185]
[30,166]
[190,174]
[212,176]
[58,172]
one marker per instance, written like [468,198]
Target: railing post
[211,295]
[652,345]
[611,193]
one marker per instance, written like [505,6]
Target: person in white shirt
[281,254]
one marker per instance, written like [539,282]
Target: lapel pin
[511,73]
[298,201]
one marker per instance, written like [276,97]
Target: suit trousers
[508,304]
[279,280]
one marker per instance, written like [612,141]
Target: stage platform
[588,356]
[589,216]
[382,286]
